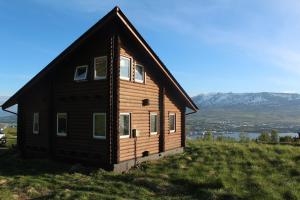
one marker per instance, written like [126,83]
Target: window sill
[154,133]
[61,134]
[99,137]
[83,80]
[124,136]
[99,78]
[139,82]
[124,79]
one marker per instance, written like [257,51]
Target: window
[99,125]
[36,123]
[100,66]
[125,68]
[124,128]
[62,119]
[153,123]
[80,73]
[139,74]
[172,122]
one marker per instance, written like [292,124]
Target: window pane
[172,122]
[139,73]
[124,124]
[36,122]
[100,67]
[153,124]
[100,126]
[62,123]
[80,73]
[125,68]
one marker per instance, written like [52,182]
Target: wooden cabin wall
[35,100]
[80,99]
[172,140]
[131,97]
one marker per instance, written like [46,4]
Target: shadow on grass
[11,164]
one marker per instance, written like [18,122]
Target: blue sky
[208,45]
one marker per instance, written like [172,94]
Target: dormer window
[81,73]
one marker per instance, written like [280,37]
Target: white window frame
[95,74]
[154,114]
[129,114]
[97,136]
[137,80]
[75,74]
[174,114]
[61,134]
[36,114]
[130,63]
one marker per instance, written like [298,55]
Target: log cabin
[107,99]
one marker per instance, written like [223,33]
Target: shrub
[286,139]
[264,137]
[274,136]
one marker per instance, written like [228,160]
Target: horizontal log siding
[36,100]
[80,100]
[172,140]
[131,97]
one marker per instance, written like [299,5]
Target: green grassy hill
[207,170]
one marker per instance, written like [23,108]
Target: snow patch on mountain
[231,99]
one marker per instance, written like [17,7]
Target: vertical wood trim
[110,103]
[52,125]
[162,144]
[116,105]
[183,134]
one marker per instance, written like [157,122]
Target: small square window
[62,122]
[139,74]
[99,125]
[80,73]
[100,67]
[153,123]
[125,68]
[172,122]
[124,127]
[36,123]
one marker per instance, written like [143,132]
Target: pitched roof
[116,12]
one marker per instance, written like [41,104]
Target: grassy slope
[11,134]
[207,170]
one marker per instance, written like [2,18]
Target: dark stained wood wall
[80,100]
[35,100]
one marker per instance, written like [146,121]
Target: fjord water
[235,135]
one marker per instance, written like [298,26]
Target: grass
[207,170]
[11,134]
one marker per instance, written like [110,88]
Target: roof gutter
[194,111]
[11,112]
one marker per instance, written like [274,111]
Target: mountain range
[250,112]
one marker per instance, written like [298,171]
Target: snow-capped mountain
[235,99]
